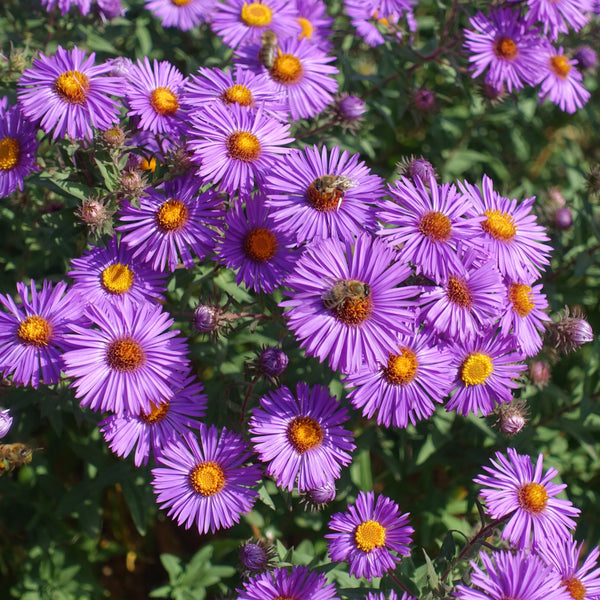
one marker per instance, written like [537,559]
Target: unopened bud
[493,92]
[539,373]
[257,556]
[570,331]
[206,319]
[563,219]
[416,168]
[120,66]
[512,417]
[351,108]
[132,182]
[272,362]
[424,100]
[593,180]
[586,58]
[6,422]
[110,9]
[318,498]
[17,62]
[96,215]
[114,137]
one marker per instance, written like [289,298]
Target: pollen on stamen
[117,279]
[354,311]
[286,69]
[533,497]
[436,226]
[237,94]
[575,587]
[243,145]
[304,434]
[125,355]
[369,535]
[10,152]
[521,297]
[260,244]
[401,368]
[457,291]
[164,101]
[180,2]
[172,215]
[256,14]
[506,48]
[560,65]
[499,225]
[476,368]
[207,478]
[307,28]
[34,331]
[324,201]
[72,86]
[157,413]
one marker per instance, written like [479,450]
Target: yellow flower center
[72,86]
[207,478]
[560,65]
[575,587]
[164,101]
[521,297]
[401,368]
[457,291]
[307,28]
[256,14]
[304,433]
[237,94]
[243,145]
[148,164]
[499,225]
[9,153]
[180,2]
[324,199]
[369,535]
[125,354]
[476,368]
[353,311]
[34,331]
[117,279]
[533,497]
[260,244]
[436,226]
[506,48]
[172,215]
[157,413]
[286,69]
[381,20]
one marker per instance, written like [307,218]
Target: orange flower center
[180,2]
[457,291]
[533,497]
[521,297]
[560,65]
[72,86]
[304,433]
[164,101]
[401,368]
[172,215]
[157,413]
[307,28]
[125,355]
[34,331]
[575,587]
[499,225]
[207,478]
[506,48]
[243,145]
[436,226]
[9,153]
[286,69]
[260,244]
[237,94]
[353,311]
[256,14]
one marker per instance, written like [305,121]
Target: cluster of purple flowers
[514,45]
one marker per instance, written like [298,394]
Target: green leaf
[172,565]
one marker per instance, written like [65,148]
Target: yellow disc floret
[207,478]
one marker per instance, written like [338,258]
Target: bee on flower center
[345,289]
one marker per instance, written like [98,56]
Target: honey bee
[268,47]
[328,184]
[345,288]
[13,456]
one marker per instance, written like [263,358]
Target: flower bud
[272,362]
[110,9]
[563,219]
[318,498]
[539,373]
[586,57]
[424,100]
[17,62]
[570,331]
[206,319]
[512,417]
[351,108]
[416,168]
[114,136]
[257,556]
[95,214]
[6,422]
[132,182]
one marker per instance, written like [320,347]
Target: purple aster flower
[238,21]
[485,366]
[315,23]
[127,359]
[468,299]
[300,583]
[561,82]
[505,46]
[234,146]
[111,274]
[405,388]
[558,15]
[166,421]
[507,575]
[33,333]
[428,224]
[252,244]
[64,6]
[69,94]
[314,195]
[206,480]
[301,438]
[563,556]
[301,74]
[345,305]
[183,14]
[173,223]
[391,596]
[370,536]
[512,485]
[18,146]
[512,236]
[242,87]
[6,422]
[153,94]
[110,9]
[525,315]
